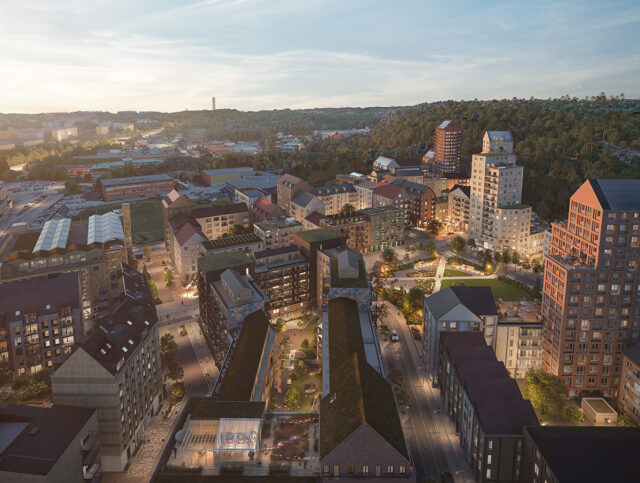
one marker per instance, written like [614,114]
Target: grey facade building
[277,233]
[49,445]
[456,309]
[117,369]
[386,227]
[42,320]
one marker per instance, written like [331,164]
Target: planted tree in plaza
[434,227]
[515,258]
[574,415]
[292,398]
[415,297]
[428,248]
[389,256]
[347,208]
[506,256]
[624,421]
[146,273]
[170,357]
[546,392]
[457,245]
[168,276]
[279,325]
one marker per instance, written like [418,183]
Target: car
[394,336]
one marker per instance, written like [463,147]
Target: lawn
[146,219]
[450,272]
[500,289]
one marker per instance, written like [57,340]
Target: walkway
[203,353]
[439,274]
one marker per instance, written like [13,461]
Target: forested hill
[557,141]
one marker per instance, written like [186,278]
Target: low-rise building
[598,411]
[361,433]
[354,225]
[213,176]
[485,404]
[136,187]
[288,187]
[342,273]
[458,200]
[303,204]
[386,227]
[117,369]
[629,392]
[283,275]
[278,232]
[49,445]
[41,319]
[456,309]
[550,454]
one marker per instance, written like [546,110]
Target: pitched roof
[302,198]
[288,180]
[500,136]
[32,451]
[319,234]
[333,189]
[617,194]
[478,300]
[267,207]
[632,352]
[387,190]
[363,395]
[216,210]
[604,453]
[414,189]
[186,231]
[315,217]
[408,162]
[466,190]
[231,241]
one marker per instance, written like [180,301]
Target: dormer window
[124,349]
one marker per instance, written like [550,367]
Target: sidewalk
[439,274]
[203,353]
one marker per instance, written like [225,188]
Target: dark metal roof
[217,210]
[633,352]
[617,194]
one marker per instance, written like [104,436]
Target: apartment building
[303,204]
[278,232]
[49,445]
[354,225]
[91,248]
[447,148]
[497,142]
[361,433]
[227,294]
[591,287]
[264,209]
[497,219]
[629,392]
[41,319]
[219,220]
[365,190]
[311,242]
[288,187]
[550,454]
[519,345]
[422,199]
[173,204]
[342,273]
[387,194]
[114,189]
[283,275]
[335,197]
[386,227]
[456,309]
[187,241]
[246,243]
[117,368]
[458,206]
[485,404]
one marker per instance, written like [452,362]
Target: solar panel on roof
[620,194]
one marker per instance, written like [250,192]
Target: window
[336,470]
[389,469]
[403,470]
[490,445]
[488,472]
[488,459]
[378,472]
[365,470]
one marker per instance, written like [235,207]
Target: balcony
[91,472]
[89,442]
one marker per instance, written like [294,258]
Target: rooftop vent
[124,349]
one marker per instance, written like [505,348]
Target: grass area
[146,219]
[500,289]
[306,400]
[450,272]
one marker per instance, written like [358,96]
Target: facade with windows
[39,328]
[591,287]
[629,392]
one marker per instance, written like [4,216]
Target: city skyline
[253,55]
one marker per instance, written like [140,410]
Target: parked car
[394,336]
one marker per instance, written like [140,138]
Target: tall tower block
[213,103]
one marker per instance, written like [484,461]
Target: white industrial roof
[103,228]
[54,234]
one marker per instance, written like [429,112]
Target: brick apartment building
[447,149]
[288,187]
[590,299]
[629,392]
[422,201]
[136,187]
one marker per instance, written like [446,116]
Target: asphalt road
[431,437]
[194,381]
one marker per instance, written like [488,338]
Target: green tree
[435,226]
[279,325]
[146,251]
[546,392]
[145,272]
[537,286]
[506,257]
[471,243]
[168,276]
[415,297]
[301,366]
[515,257]
[347,208]
[305,343]
[238,230]
[389,256]
[457,245]
[624,421]
[72,185]
[429,249]
[574,415]
[154,292]
[292,398]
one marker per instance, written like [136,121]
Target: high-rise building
[591,302]
[498,220]
[448,148]
[213,103]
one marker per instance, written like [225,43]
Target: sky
[171,55]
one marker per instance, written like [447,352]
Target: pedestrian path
[203,353]
[439,274]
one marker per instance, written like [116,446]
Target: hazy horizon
[252,55]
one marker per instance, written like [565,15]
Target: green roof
[230,241]
[239,378]
[360,282]
[222,261]
[208,408]
[319,234]
[519,206]
[363,395]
